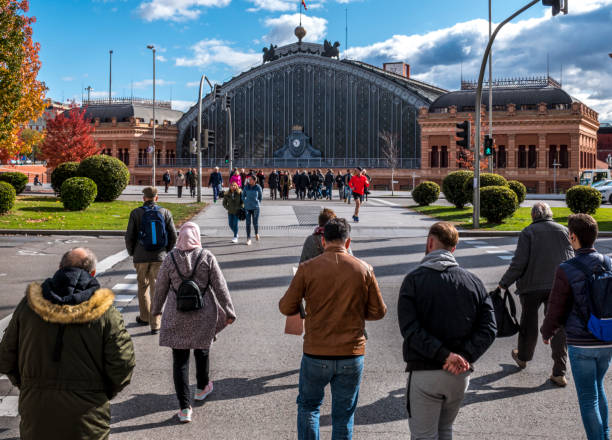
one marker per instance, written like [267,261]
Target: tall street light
[150,46]
[199,141]
[110,75]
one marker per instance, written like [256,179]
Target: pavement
[255,366]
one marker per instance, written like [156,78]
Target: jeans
[330,189]
[345,377]
[180,373]
[215,189]
[252,215]
[589,366]
[233,223]
[341,193]
[318,193]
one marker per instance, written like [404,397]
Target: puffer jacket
[252,196]
[232,201]
[67,350]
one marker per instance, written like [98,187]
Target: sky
[221,38]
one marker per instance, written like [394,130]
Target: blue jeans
[330,189]
[233,223]
[252,215]
[216,192]
[344,376]
[589,366]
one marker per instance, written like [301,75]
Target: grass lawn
[48,213]
[520,219]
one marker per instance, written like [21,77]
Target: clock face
[296,143]
[297,147]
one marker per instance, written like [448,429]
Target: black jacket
[443,310]
[329,179]
[340,181]
[273,180]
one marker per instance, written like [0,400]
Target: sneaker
[521,364]
[356,219]
[141,321]
[203,394]
[235,240]
[560,381]
[155,331]
[257,237]
[248,243]
[184,415]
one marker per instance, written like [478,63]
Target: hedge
[16,179]
[519,189]
[486,179]
[61,173]
[583,199]
[453,185]
[77,193]
[7,197]
[497,203]
[426,193]
[110,174]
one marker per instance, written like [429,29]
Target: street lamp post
[153,152]
[490,90]
[199,144]
[110,75]
[555,166]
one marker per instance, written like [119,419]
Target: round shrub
[110,174]
[583,199]
[77,193]
[426,193]
[486,179]
[7,197]
[452,186]
[497,203]
[519,189]
[61,173]
[17,180]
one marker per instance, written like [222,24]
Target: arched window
[443,156]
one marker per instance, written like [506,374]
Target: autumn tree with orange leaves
[22,96]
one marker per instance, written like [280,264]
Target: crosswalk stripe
[131,276]
[8,406]
[125,287]
[506,257]
[124,298]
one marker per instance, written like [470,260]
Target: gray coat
[541,247]
[191,330]
[140,254]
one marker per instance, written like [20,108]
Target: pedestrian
[243,178]
[273,183]
[166,180]
[319,184]
[358,184]
[261,178]
[367,190]
[313,245]
[287,184]
[252,195]
[329,183]
[447,320]
[296,177]
[341,293]
[347,189]
[149,236]
[542,247]
[340,184]
[572,305]
[180,183]
[67,350]
[191,178]
[302,183]
[195,329]
[37,181]
[216,182]
[232,202]
[236,178]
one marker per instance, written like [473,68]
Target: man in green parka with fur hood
[67,350]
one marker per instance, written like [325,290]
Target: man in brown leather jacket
[341,293]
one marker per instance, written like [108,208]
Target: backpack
[598,293]
[505,313]
[152,234]
[189,297]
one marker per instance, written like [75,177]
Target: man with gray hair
[542,247]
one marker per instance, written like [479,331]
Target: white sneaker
[184,415]
[248,243]
[235,240]
[203,394]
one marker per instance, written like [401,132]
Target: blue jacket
[215,179]
[251,196]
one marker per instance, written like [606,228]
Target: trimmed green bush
[77,193]
[452,187]
[426,193]
[582,199]
[7,197]
[61,173]
[110,174]
[497,203]
[16,179]
[486,179]
[519,189]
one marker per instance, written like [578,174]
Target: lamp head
[150,46]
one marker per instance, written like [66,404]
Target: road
[254,365]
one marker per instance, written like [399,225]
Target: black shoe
[154,332]
[140,321]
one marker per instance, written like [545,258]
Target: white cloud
[282,28]
[161,58]
[273,5]
[182,105]
[177,10]
[149,82]
[100,94]
[67,78]
[207,52]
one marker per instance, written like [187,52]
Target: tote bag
[505,313]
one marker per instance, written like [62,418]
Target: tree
[30,141]
[390,151]
[68,138]
[22,96]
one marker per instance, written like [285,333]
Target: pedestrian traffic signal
[209,139]
[488,145]
[464,134]
[227,158]
[236,153]
[557,6]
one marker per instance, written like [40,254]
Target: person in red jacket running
[358,185]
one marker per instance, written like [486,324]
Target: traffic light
[209,139]
[488,145]
[557,6]
[464,134]
[236,153]
[227,158]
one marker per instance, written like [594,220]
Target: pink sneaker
[184,415]
[203,394]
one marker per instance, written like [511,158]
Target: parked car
[606,192]
[601,183]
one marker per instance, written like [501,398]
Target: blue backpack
[153,235]
[597,291]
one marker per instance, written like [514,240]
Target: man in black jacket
[447,320]
[273,183]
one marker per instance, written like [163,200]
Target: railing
[406,163]
[127,100]
[514,83]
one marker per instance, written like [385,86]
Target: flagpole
[300,12]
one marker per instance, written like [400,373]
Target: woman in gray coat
[194,330]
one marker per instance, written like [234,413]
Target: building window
[563,156]
[142,157]
[434,161]
[532,158]
[443,157]
[501,156]
[552,156]
[522,157]
[158,157]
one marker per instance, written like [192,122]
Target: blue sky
[224,37]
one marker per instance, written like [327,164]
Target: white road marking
[485,247]
[8,406]
[506,257]
[3,377]
[131,276]
[497,251]
[124,298]
[125,288]
[2,274]
[473,241]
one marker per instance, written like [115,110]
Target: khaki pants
[146,274]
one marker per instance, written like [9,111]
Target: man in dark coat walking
[273,183]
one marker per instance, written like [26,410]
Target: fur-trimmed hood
[82,313]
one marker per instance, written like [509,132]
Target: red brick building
[604,142]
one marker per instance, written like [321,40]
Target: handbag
[505,313]
[241,214]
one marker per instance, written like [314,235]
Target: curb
[471,233]
[45,232]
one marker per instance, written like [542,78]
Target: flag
[304,4]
